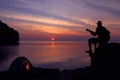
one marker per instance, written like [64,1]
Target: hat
[99,22]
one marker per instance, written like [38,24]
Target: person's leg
[90,42]
[96,42]
[95,45]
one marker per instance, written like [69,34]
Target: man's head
[99,23]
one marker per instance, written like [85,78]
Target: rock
[8,35]
[22,67]
[107,56]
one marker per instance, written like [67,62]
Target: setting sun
[52,39]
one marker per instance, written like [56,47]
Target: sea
[47,54]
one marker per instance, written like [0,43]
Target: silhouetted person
[103,36]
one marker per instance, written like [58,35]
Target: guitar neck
[89,30]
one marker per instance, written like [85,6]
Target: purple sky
[62,19]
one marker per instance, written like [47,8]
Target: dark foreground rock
[105,65]
[107,55]
[22,69]
[8,35]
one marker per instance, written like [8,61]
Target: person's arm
[91,32]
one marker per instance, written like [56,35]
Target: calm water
[63,55]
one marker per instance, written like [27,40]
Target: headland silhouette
[8,35]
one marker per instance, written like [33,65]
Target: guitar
[89,30]
[92,32]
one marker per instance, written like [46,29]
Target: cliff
[8,35]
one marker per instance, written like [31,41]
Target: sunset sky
[60,19]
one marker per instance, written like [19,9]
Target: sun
[52,39]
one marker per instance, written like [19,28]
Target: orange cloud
[48,20]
